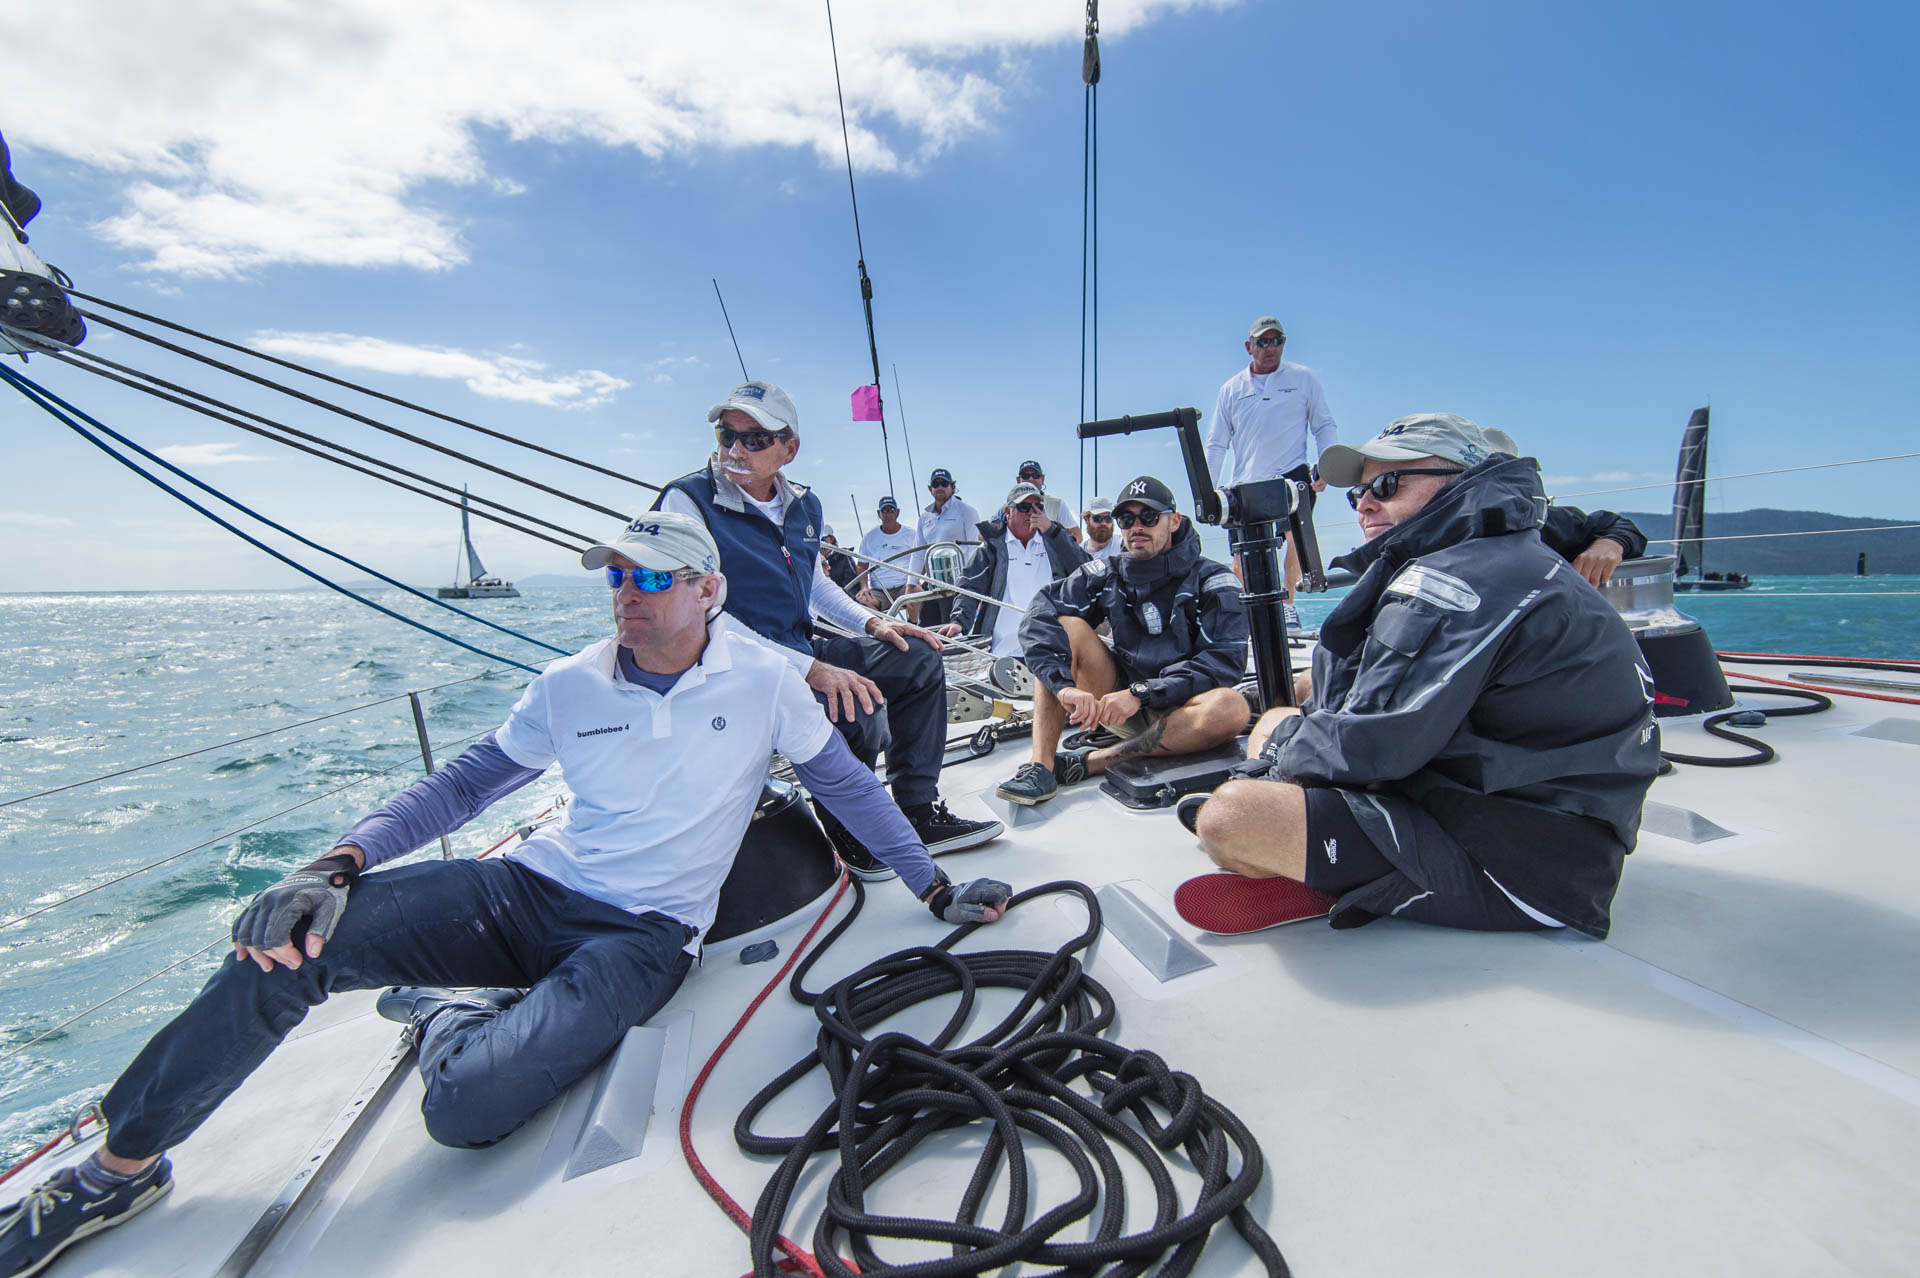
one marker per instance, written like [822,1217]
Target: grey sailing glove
[969,902]
[315,895]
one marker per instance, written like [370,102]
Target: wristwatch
[1139,690]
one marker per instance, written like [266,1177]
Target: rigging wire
[1751,474]
[1090,233]
[8,1055]
[222,745]
[913,472]
[314,545]
[233,833]
[34,394]
[730,337]
[1808,532]
[379,425]
[68,355]
[866,284]
[336,381]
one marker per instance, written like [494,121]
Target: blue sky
[1574,223]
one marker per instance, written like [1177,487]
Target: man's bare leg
[1093,671]
[1256,828]
[1269,721]
[1291,572]
[1210,719]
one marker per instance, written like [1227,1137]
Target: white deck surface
[1730,1085]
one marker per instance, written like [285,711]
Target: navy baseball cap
[887,503]
[941,476]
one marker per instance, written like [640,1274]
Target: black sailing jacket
[1473,692]
[1177,620]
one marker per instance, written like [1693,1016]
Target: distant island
[1887,552]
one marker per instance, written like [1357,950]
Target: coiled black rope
[894,1091]
[1761,751]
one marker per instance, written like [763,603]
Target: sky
[1574,223]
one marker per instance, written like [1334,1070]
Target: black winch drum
[785,863]
[1687,678]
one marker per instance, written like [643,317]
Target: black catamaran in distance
[474,583]
[1690,515]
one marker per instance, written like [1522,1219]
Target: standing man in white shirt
[1020,553]
[946,518]
[886,691]
[1264,414]
[1056,510]
[878,586]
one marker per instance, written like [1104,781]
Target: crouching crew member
[585,929]
[1480,736]
[1179,646]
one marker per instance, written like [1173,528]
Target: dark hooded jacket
[1569,530]
[1177,620]
[1481,706]
[987,573]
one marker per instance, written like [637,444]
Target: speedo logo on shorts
[601,732]
[1333,851]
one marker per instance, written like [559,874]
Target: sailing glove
[969,902]
[315,896]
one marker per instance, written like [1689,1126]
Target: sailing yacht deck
[1730,1084]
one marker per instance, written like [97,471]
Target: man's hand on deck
[1597,562]
[844,690]
[315,896]
[898,632]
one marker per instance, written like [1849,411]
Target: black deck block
[1159,783]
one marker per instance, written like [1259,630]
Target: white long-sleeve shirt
[1265,421]
[825,600]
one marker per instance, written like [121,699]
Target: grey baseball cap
[762,401]
[660,540]
[1447,436]
[1099,506]
[1020,492]
[1265,324]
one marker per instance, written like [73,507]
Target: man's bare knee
[1254,828]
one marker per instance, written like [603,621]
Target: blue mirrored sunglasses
[650,580]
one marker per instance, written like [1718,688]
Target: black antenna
[736,341]
[866,284]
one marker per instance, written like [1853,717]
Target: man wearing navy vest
[885,691]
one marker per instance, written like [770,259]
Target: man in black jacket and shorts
[1480,736]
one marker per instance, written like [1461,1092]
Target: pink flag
[866,404]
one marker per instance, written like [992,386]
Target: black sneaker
[1031,784]
[942,831]
[1188,810]
[62,1210]
[853,854]
[415,1005]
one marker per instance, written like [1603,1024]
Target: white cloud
[205,454]
[28,519]
[526,381]
[253,132]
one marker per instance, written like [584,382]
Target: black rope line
[352,386]
[46,401]
[1761,752]
[221,416]
[893,1092]
[311,544]
[374,422]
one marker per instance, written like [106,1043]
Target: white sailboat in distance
[474,583]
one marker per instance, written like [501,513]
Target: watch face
[1138,689]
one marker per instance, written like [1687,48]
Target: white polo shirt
[1029,570]
[881,544]
[957,523]
[663,786]
[1265,420]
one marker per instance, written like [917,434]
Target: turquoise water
[91,684]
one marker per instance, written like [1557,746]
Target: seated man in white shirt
[1021,551]
[588,927]
[892,543]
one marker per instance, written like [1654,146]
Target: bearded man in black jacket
[1166,686]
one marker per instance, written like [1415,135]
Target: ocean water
[93,684]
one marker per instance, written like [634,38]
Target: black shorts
[1342,859]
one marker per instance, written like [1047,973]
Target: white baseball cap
[762,401]
[661,540]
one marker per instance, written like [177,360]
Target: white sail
[475,569]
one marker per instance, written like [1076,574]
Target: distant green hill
[1887,552]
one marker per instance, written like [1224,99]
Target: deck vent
[1683,824]
[1906,731]
[616,1125]
[1160,949]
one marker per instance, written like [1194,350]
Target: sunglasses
[648,580]
[757,441]
[1145,518]
[1099,519]
[1028,476]
[1384,485]
[941,483]
[1268,343]
[1028,508]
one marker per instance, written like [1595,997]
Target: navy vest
[769,570]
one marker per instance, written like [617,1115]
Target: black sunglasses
[1028,476]
[1145,518]
[757,441]
[1384,485]
[1028,508]
[1268,343]
[941,483]
[1099,519]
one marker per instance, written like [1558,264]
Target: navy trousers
[592,972]
[911,727]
